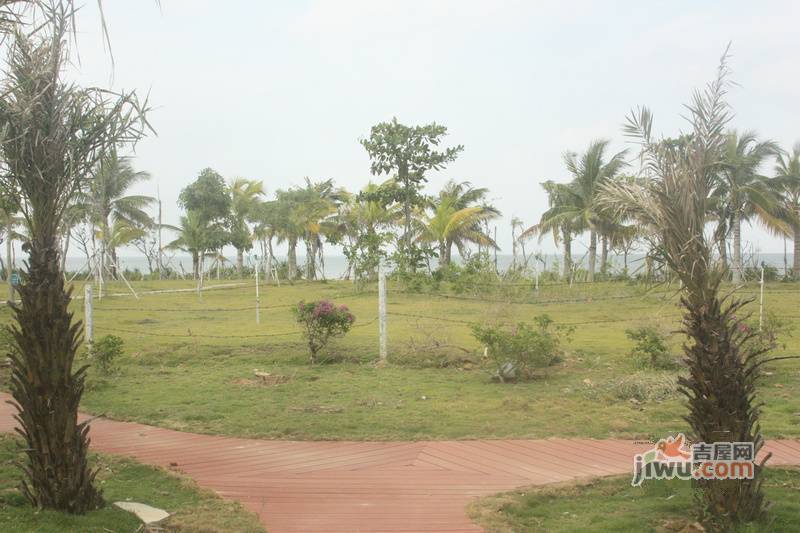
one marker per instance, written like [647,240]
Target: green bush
[322,320]
[651,349]
[105,351]
[517,352]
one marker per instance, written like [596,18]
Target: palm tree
[361,226]
[746,193]
[245,197]
[196,236]
[722,365]
[9,222]
[559,220]
[315,207]
[286,228]
[787,184]
[456,220]
[108,203]
[54,135]
[589,173]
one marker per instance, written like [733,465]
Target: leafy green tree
[410,152]
[55,134]
[787,185]
[745,193]
[209,204]
[246,195]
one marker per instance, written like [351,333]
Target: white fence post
[382,310]
[761,307]
[258,299]
[88,319]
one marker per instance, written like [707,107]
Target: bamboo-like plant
[51,136]
[723,367]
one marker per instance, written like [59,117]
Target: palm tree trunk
[737,248]
[9,248]
[567,254]
[796,256]
[47,339]
[592,254]
[603,254]
[239,262]
[291,258]
[195,265]
[65,250]
[723,252]
[443,260]
[309,258]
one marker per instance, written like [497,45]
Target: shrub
[518,352]
[321,321]
[768,336]
[651,349]
[105,351]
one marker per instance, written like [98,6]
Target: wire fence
[428,307]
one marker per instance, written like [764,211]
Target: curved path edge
[325,486]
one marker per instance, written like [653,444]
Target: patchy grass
[121,479]
[190,363]
[612,504]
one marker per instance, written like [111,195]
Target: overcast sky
[278,90]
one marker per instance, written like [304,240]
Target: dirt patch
[263,379]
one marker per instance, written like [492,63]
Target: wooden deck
[304,486]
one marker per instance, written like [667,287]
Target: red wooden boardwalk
[367,486]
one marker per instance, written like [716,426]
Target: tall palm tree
[559,220]
[455,219]
[54,135]
[108,202]
[746,193]
[245,197]
[722,366]
[286,228]
[787,185]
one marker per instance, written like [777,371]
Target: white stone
[145,513]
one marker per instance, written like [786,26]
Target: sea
[336,265]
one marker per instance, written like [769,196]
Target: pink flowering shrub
[321,321]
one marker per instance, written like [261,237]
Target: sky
[277,90]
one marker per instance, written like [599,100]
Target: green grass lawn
[190,362]
[612,504]
[120,479]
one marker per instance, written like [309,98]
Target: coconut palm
[108,203]
[315,206]
[363,226]
[787,185]
[54,136]
[286,228]
[722,366]
[245,197]
[559,220]
[745,193]
[455,219]
[196,236]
